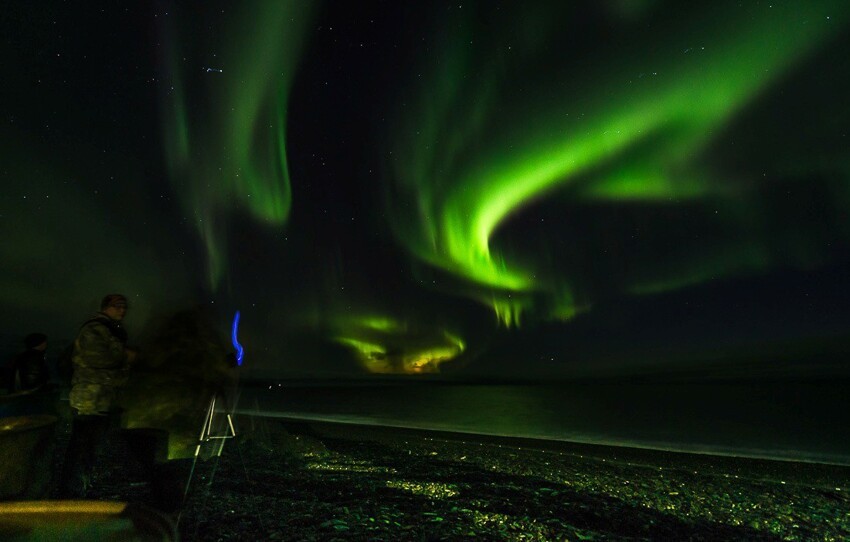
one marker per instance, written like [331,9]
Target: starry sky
[492,190]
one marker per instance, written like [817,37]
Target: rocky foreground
[308,481]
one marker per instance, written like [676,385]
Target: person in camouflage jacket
[101,362]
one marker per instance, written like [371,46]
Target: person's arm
[132,356]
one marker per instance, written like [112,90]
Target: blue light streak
[240,352]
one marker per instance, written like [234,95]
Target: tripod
[207,436]
[207,429]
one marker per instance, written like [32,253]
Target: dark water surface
[805,421]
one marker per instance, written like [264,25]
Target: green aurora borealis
[408,188]
[475,152]
[226,140]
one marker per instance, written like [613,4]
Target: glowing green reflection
[384,345]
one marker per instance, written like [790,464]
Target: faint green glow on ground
[434,490]
[472,488]
[349,466]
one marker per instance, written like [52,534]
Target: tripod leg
[232,429]
[210,417]
[206,428]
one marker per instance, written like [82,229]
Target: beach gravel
[287,480]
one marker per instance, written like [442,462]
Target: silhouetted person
[29,369]
[101,362]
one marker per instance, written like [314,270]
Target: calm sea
[804,421]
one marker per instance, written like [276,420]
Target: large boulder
[26,446]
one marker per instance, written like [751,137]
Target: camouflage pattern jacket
[100,365]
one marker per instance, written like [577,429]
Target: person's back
[30,367]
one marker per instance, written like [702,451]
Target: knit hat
[113,300]
[34,339]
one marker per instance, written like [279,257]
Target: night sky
[496,190]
